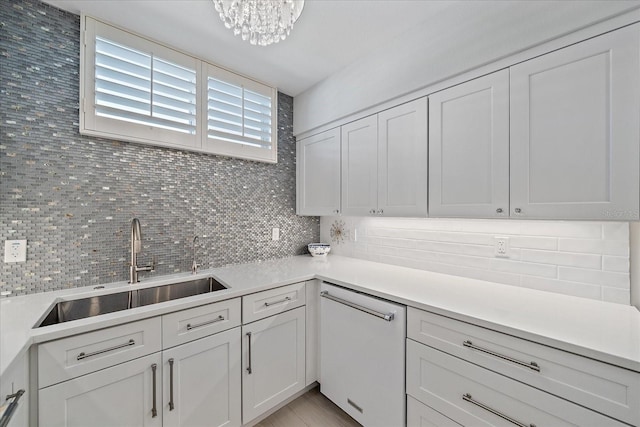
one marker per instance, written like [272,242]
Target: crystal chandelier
[262,22]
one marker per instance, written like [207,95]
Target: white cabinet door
[201,382]
[402,160]
[123,395]
[318,183]
[469,149]
[575,120]
[360,167]
[273,361]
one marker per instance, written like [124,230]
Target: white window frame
[94,125]
[230,148]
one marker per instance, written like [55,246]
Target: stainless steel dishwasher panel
[362,355]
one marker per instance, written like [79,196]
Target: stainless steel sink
[158,294]
[66,311]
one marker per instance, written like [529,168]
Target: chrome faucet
[195,265]
[136,248]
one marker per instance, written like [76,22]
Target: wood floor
[311,409]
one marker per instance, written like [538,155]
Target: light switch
[15,250]
[275,234]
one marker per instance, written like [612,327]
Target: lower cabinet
[273,361]
[201,382]
[127,394]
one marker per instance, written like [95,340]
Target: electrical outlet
[275,234]
[502,247]
[15,250]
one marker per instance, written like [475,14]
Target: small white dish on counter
[319,249]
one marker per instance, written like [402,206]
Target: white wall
[585,259]
[438,50]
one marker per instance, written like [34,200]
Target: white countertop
[603,331]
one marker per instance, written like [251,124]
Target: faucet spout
[136,248]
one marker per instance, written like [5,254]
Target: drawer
[420,415]
[602,387]
[188,325]
[267,303]
[474,396]
[71,357]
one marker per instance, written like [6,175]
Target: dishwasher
[362,355]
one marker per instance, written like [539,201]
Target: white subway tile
[605,278]
[527,242]
[587,246]
[616,247]
[455,248]
[524,268]
[615,263]
[616,231]
[562,287]
[562,258]
[454,237]
[585,230]
[390,241]
[619,296]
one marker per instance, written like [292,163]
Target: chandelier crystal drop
[262,22]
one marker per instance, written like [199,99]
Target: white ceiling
[329,35]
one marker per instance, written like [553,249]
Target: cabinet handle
[517,210]
[386,316]
[171,405]
[154,410]
[531,365]
[499,210]
[84,355]
[5,419]
[372,211]
[216,320]
[467,398]
[285,299]
[337,211]
[380,212]
[249,349]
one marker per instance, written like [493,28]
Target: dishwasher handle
[385,316]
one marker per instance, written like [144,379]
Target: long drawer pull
[531,365]
[84,355]
[467,398]
[386,316]
[11,408]
[154,410]
[285,299]
[216,320]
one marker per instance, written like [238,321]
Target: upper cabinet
[554,137]
[469,148]
[318,169]
[402,160]
[575,131]
[360,167]
[384,163]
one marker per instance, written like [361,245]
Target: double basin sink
[66,311]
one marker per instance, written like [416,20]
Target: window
[137,90]
[241,115]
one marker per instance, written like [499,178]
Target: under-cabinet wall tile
[615,263]
[538,250]
[616,295]
[562,258]
[604,278]
[524,268]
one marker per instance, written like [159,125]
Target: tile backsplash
[585,259]
[73,196]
